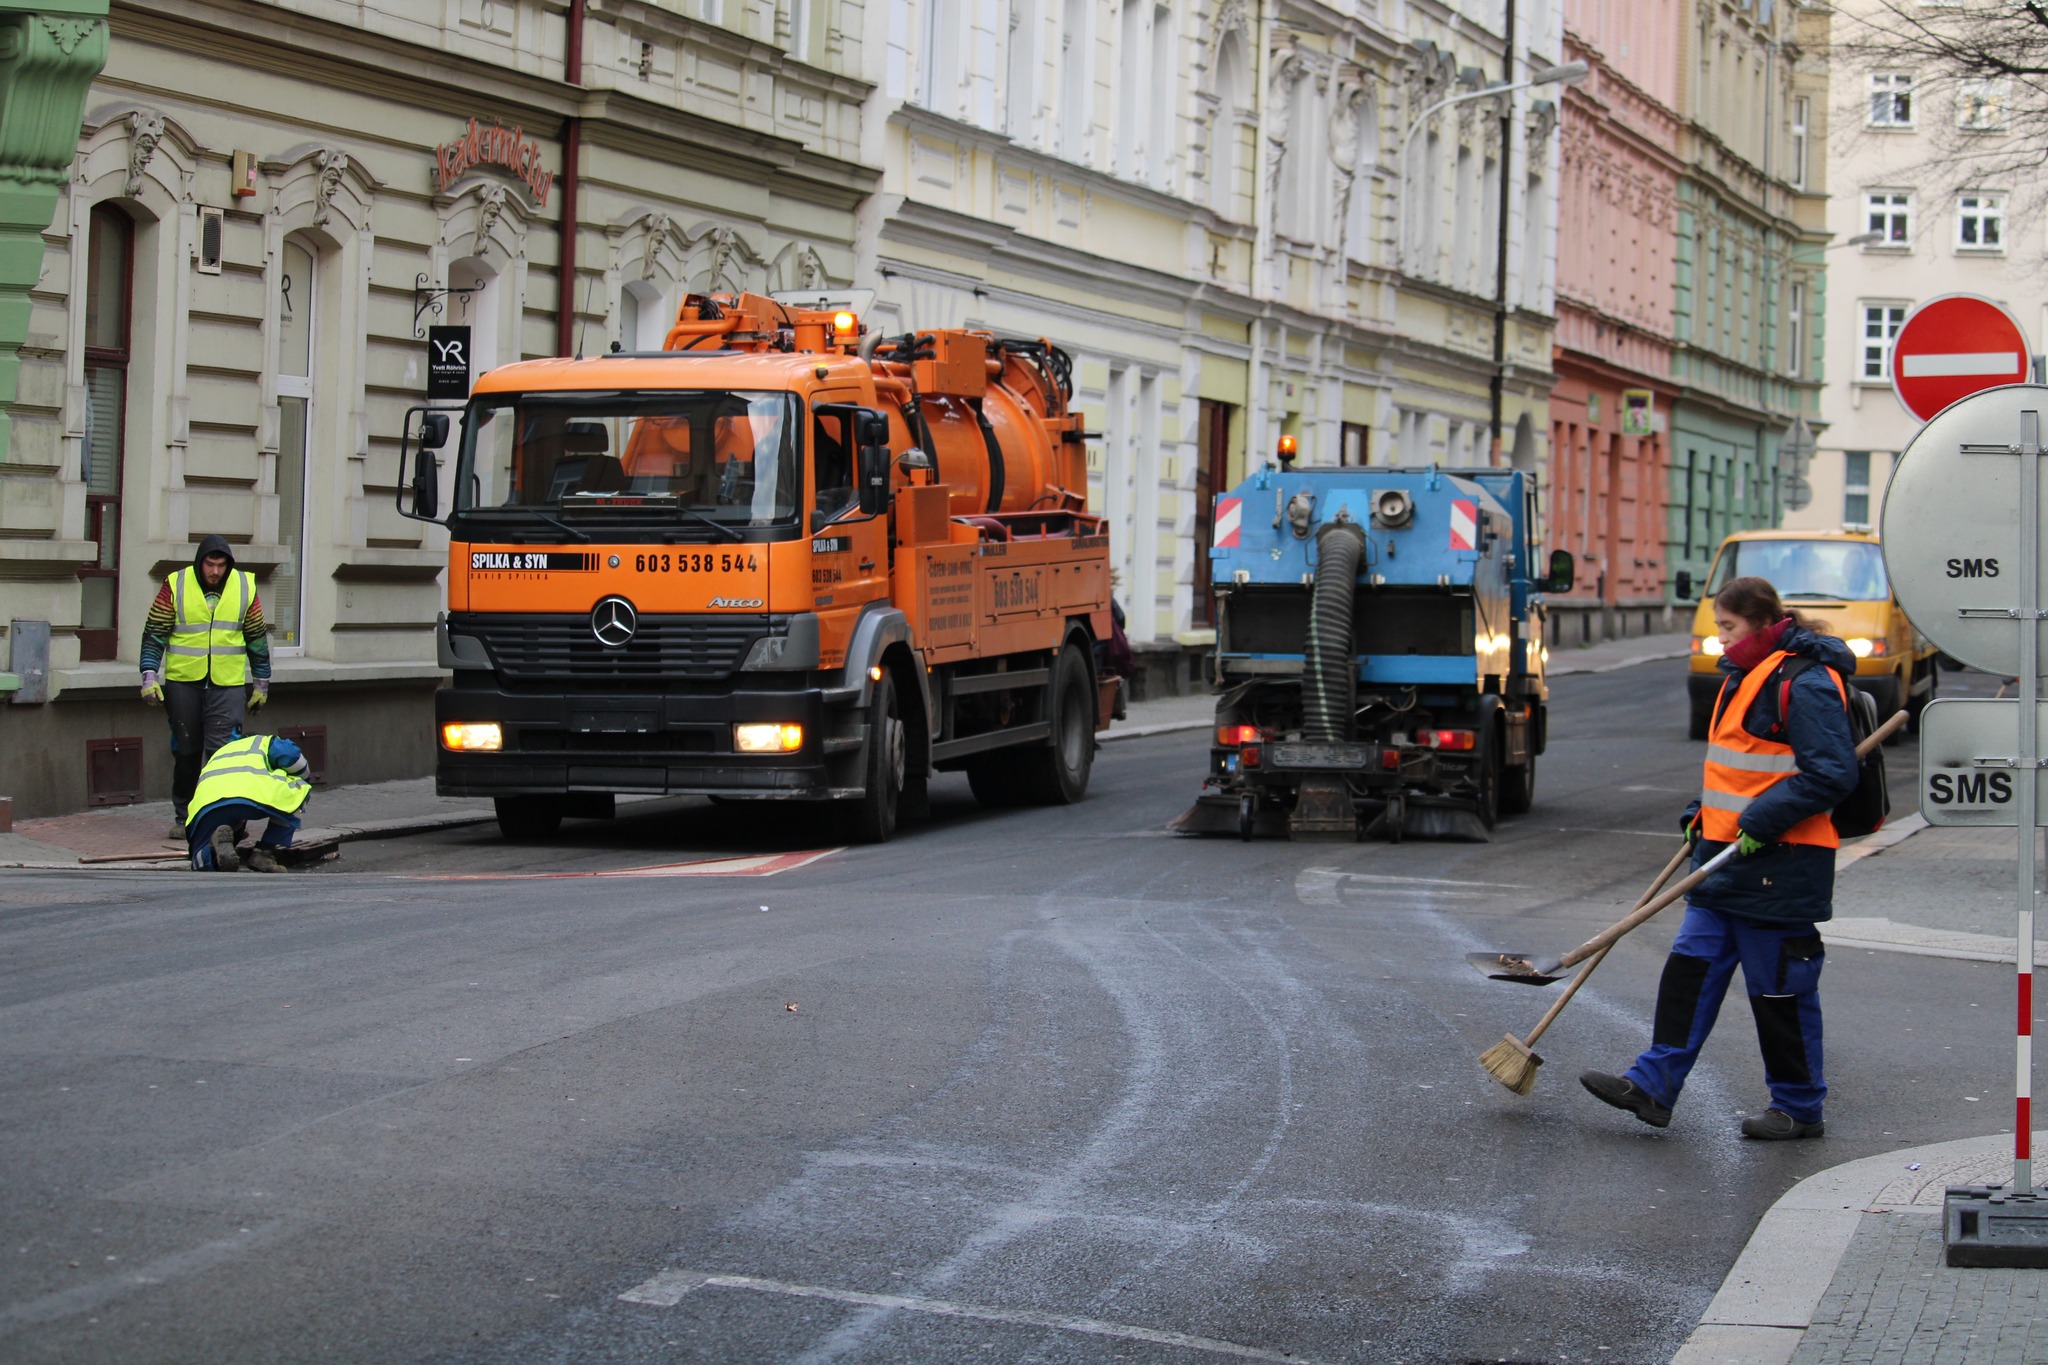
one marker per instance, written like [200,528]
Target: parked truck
[1379,652]
[781,558]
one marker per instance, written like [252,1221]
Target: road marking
[1428,881]
[67,1303]
[753,865]
[1599,829]
[1960,363]
[668,1289]
[1676,791]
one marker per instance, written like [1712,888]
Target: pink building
[1616,298]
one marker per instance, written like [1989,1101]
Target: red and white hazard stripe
[1464,524]
[2023,1085]
[1229,520]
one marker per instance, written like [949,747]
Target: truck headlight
[1865,648]
[472,736]
[1709,645]
[767,739]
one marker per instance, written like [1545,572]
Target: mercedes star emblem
[613,622]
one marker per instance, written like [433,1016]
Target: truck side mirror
[1683,586]
[874,479]
[425,482]
[1562,572]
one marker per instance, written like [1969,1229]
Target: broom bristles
[1511,1062]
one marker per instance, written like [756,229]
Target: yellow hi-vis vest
[1741,767]
[240,771]
[207,644]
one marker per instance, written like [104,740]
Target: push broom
[1512,1061]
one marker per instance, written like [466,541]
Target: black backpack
[1864,810]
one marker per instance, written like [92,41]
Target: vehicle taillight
[1390,759]
[1248,756]
[1461,740]
[1230,736]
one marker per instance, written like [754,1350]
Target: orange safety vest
[1741,767]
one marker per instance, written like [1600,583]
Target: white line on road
[1423,881]
[66,1303]
[1960,363]
[667,1289]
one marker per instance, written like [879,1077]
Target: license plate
[1323,756]
[614,722]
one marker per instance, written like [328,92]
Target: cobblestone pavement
[1894,1302]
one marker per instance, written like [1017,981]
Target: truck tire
[993,780]
[1487,802]
[527,819]
[1518,789]
[1057,773]
[872,816]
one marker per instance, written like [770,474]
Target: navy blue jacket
[1790,881]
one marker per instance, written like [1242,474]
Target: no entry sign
[1953,346]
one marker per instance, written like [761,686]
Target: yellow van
[1835,577]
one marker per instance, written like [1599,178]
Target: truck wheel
[873,815]
[1487,802]
[1518,791]
[525,819]
[1057,774]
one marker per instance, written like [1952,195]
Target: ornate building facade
[1206,202]
[1750,277]
[1616,299]
[268,204]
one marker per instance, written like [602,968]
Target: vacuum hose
[1330,677]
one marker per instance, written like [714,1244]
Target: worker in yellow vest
[206,660]
[261,777]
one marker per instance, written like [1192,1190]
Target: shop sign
[493,144]
[447,362]
[1638,407]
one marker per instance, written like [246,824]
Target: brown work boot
[260,859]
[222,842]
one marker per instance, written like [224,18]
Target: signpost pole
[2029,769]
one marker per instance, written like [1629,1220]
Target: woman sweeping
[1779,758]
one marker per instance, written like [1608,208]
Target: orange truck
[780,558]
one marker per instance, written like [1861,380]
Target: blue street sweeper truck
[1379,653]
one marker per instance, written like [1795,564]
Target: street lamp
[1860,239]
[1571,73]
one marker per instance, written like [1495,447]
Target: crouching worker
[260,777]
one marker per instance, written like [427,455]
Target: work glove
[1690,830]
[1748,844]
[259,694]
[152,687]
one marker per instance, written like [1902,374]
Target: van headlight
[1865,648]
[1709,645]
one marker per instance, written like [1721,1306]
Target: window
[1795,331]
[1881,322]
[295,324]
[1855,488]
[1020,83]
[941,58]
[1212,477]
[1889,213]
[1077,80]
[109,278]
[1356,445]
[1980,222]
[1802,126]
[1891,99]
[1226,140]
[1980,105]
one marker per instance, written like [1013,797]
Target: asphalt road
[1047,1085]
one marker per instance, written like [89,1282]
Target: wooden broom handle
[1607,937]
[1557,1008]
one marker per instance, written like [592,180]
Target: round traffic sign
[1951,527]
[1953,346]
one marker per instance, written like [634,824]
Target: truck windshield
[672,458]
[1837,570]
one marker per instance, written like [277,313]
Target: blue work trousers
[1781,962]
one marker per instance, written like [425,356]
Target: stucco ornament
[1289,69]
[659,226]
[810,269]
[329,164]
[145,131]
[490,206]
[1353,106]
[1542,121]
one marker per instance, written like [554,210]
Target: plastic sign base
[1987,1227]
